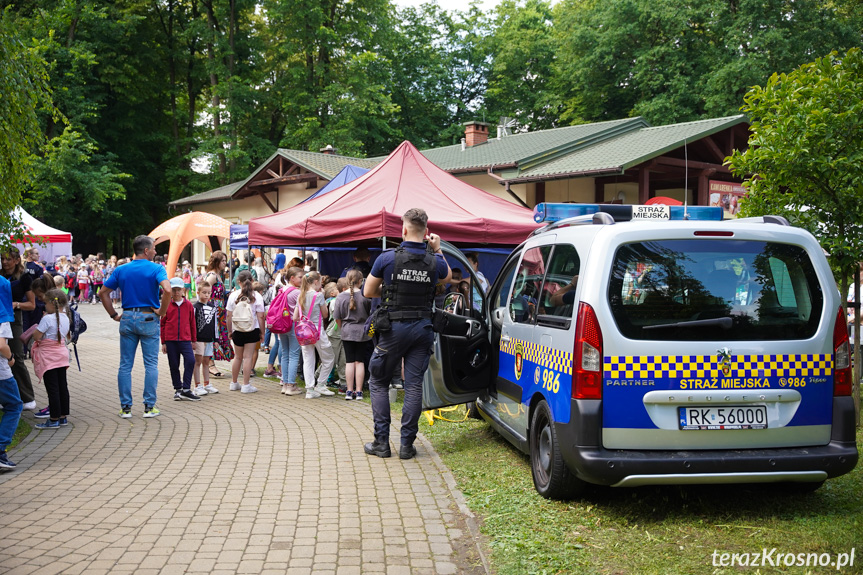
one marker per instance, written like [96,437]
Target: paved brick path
[260,483]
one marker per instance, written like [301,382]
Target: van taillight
[841,357]
[587,354]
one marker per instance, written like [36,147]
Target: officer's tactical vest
[410,295]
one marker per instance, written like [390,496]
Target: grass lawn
[641,530]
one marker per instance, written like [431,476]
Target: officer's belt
[409,315]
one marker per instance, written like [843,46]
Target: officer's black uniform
[409,274]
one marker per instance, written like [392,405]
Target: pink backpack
[280,318]
[305,330]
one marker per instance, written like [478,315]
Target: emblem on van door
[519,360]
[725,360]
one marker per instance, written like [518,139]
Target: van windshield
[724,290]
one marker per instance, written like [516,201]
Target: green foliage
[26,91]
[805,155]
[670,61]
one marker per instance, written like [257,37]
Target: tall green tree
[674,61]
[805,155]
[523,49]
[26,92]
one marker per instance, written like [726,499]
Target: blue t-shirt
[6,313]
[278,262]
[383,266]
[138,281]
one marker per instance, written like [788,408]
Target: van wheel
[551,477]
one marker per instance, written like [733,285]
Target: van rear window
[723,290]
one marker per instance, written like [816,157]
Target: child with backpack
[207,324]
[245,318]
[273,352]
[51,358]
[351,311]
[309,314]
[280,319]
[179,332]
[337,375]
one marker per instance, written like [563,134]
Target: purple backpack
[307,333]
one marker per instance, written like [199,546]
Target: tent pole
[384,246]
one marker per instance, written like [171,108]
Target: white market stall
[52,243]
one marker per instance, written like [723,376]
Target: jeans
[136,326]
[289,356]
[10,399]
[274,351]
[176,349]
[267,334]
[413,341]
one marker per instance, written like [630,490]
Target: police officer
[405,280]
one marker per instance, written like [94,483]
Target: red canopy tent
[371,207]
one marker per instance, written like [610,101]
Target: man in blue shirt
[405,280]
[279,261]
[139,282]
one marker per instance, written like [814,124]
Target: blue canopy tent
[348,174]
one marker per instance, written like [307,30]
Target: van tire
[551,477]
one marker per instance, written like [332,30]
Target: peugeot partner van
[680,349]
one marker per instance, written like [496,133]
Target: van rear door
[718,343]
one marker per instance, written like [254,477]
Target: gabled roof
[327,166]
[617,154]
[528,147]
[214,195]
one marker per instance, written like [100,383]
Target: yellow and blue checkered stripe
[541,355]
[695,366]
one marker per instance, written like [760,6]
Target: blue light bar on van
[547,212]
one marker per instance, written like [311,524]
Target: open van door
[460,366]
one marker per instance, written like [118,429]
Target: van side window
[558,291]
[524,301]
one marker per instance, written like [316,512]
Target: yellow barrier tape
[433,414]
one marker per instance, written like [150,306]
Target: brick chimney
[475,133]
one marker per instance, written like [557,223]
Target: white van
[636,345]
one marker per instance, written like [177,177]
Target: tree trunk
[214,85]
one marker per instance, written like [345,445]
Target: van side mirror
[454,303]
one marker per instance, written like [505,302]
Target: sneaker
[407,452]
[48,425]
[348,396]
[177,395]
[126,413]
[322,389]
[43,413]
[64,422]
[4,461]
[30,406]
[312,393]
[378,449]
[235,386]
[248,388]
[211,389]
[272,373]
[151,412]
[358,395]
[188,395]
[398,384]
[293,390]
[199,391]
